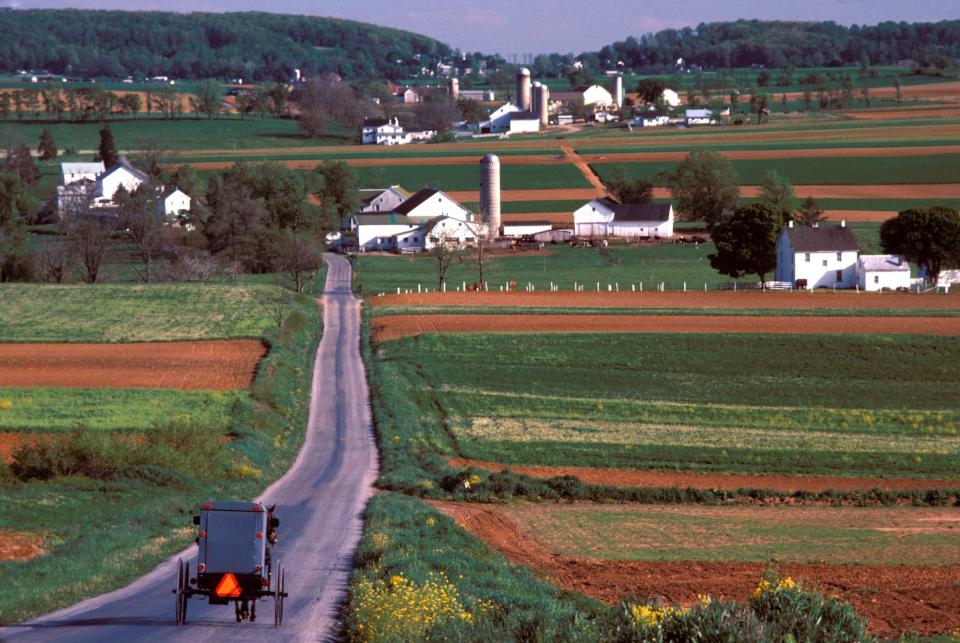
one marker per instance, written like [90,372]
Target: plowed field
[395,326]
[204,365]
[687,479]
[894,599]
[771,299]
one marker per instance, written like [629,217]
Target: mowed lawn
[860,535]
[854,170]
[838,405]
[132,313]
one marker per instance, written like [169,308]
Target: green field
[933,168]
[132,313]
[467,177]
[862,535]
[777,404]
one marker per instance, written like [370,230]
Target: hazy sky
[537,26]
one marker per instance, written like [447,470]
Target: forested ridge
[781,44]
[258,46]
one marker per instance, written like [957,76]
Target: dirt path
[586,170]
[894,599]
[396,326]
[752,299]
[688,479]
[203,365]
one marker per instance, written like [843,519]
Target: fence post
[418,288]
[704,286]
[684,286]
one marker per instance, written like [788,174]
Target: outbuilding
[882,272]
[608,218]
[525,228]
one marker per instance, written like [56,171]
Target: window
[839,275]
[806,257]
[839,256]
[876,279]
[824,263]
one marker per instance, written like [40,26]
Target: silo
[523,89]
[490,194]
[454,89]
[535,97]
[543,105]
[618,91]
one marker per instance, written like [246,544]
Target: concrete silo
[535,97]
[523,89]
[490,194]
[454,89]
[543,105]
[618,91]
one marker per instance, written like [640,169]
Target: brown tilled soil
[859,216]
[20,545]
[217,365]
[692,299]
[395,326]
[894,599]
[10,440]
[727,481]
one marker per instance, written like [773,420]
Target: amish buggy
[234,562]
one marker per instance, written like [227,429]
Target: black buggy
[234,562]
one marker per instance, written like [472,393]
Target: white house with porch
[608,218]
[882,272]
[122,174]
[822,256]
[409,226]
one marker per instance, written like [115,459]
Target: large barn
[608,218]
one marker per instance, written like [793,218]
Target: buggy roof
[233,506]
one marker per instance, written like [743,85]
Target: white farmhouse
[670,98]
[882,272]
[382,131]
[382,200]
[108,183]
[608,218]
[700,117]
[410,225]
[172,203]
[824,256]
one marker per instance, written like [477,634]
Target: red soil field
[753,299]
[203,365]
[689,479]
[894,599]
[859,216]
[16,545]
[10,440]
[396,326]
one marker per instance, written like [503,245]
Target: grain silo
[543,104]
[454,89]
[490,194]
[618,91]
[534,97]
[523,89]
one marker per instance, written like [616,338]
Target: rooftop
[884,263]
[824,238]
[638,211]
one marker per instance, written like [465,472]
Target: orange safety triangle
[228,587]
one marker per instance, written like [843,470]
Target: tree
[46,147]
[627,190]
[15,205]
[278,99]
[809,213]
[107,149]
[763,78]
[209,95]
[470,110]
[130,104]
[143,227]
[898,90]
[930,238]
[300,256]
[435,115]
[89,239]
[777,192]
[445,252]
[746,241]
[704,186]
[20,163]
[651,89]
[151,155]
[337,191]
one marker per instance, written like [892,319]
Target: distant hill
[780,44]
[253,46]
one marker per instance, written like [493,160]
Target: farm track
[897,598]
[214,365]
[770,299]
[710,481]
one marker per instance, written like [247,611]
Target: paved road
[320,502]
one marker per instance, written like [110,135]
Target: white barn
[525,228]
[608,218]
[382,200]
[429,203]
[815,257]
[121,174]
[700,117]
[882,272]
[670,98]
[650,118]
[409,226]
[508,118]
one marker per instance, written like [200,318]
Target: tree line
[252,46]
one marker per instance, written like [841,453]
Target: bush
[710,620]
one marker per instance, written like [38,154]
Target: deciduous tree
[777,192]
[929,238]
[704,187]
[746,241]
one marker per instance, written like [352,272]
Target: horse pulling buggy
[234,562]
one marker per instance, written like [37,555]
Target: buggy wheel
[179,591]
[279,594]
[185,593]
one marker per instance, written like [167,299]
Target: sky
[545,26]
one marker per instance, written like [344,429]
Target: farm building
[670,98]
[880,272]
[650,118]
[700,117]
[608,218]
[382,200]
[525,228]
[428,203]
[382,131]
[508,118]
[76,172]
[595,95]
[410,226]
[823,256]
[945,278]
[172,203]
